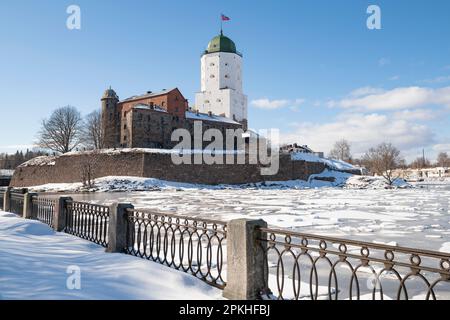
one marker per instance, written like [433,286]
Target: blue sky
[311,68]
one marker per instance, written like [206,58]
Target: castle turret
[111,119]
[221,81]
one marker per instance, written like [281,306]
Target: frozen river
[417,217]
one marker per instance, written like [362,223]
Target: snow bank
[445,247]
[370,182]
[328,178]
[34,261]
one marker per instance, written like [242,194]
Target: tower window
[212,76]
[226,64]
[211,64]
[227,76]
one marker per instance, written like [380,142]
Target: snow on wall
[332,163]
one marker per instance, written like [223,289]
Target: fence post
[7,200]
[59,214]
[28,205]
[246,278]
[117,233]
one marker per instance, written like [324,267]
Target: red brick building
[148,120]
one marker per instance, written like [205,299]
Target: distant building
[296,148]
[419,174]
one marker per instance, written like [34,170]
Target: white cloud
[418,114]
[442,147]
[384,61]
[440,79]
[269,104]
[276,104]
[364,91]
[394,78]
[395,99]
[363,131]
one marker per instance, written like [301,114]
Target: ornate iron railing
[16,202]
[43,209]
[305,266]
[87,221]
[195,246]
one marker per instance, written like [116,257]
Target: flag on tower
[225,18]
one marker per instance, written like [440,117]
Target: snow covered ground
[34,261]
[362,208]
[130,184]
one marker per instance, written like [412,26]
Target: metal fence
[305,266]
[195,246]
[43,209]
[16,202]
[87,221]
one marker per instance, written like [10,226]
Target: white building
[221,81]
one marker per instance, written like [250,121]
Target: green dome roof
[221,43]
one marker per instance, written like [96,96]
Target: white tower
[221,81]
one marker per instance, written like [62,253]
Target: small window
[125,138]
[226,64]
[227,76]
[211,64]
[125,126]
[212,76]
[218,100]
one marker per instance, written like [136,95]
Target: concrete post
[246,278]
[59,214]
[117,234]
[28,205]
[7,200]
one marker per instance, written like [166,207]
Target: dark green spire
[221,43]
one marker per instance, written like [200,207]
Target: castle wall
[67,169]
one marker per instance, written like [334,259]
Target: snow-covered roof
[148,95]
[142,106]
[207,117]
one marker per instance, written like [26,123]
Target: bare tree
[420,163]
[383,160]
[62,131]
[93,131]
[88,168]
[443,160]
[341,151]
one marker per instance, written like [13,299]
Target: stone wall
[67,169]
